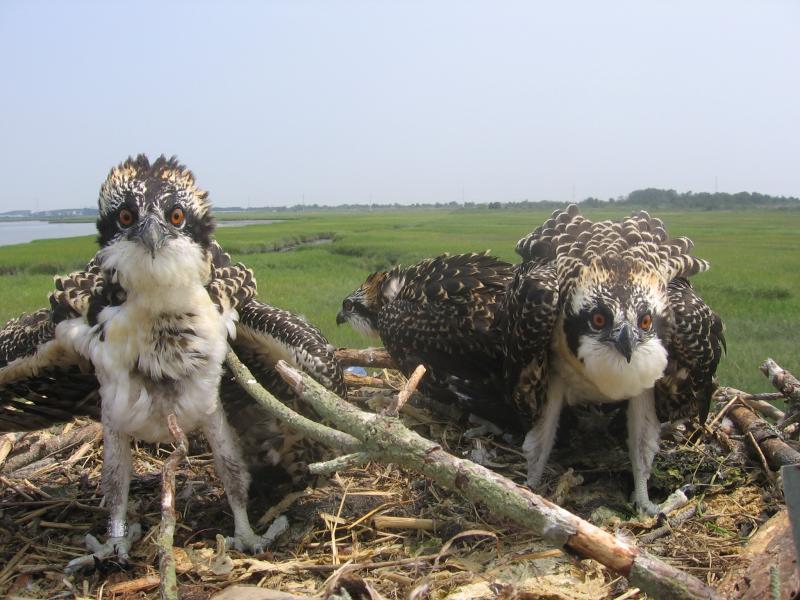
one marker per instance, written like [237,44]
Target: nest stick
[365,357]
[786,383]
[409,388]
[353,380]
[323,434]
[7,445]
[666,529]
[761,403]
[168,587]
[388,440]
[51,445]
[340,463]
[775,450]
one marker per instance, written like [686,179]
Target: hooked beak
[151,235]
[624,341]
[341,317]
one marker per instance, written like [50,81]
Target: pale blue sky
[401,101]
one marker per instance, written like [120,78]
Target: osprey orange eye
[125,217]
[645,322]
[177,217]
[598,320]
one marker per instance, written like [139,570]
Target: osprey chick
[147,326]
[603,312]
[442,313]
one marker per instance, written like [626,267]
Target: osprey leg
[644,432]
[540,439]
[235,476]
[117,467]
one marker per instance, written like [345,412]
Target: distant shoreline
[23,231]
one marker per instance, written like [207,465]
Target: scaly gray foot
[645,507]
[118,547]
[253,543]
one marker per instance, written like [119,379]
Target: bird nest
[376,530]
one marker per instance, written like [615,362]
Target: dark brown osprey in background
[442,313]
[143,332]
[603,312]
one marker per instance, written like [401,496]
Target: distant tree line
[658,198]
[647,198]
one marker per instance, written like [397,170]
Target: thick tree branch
[386,439]
[325,435]
[776,451]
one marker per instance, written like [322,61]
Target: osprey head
[615,323]
[361,307]
[153,221]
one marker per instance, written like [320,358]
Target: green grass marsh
[754,281]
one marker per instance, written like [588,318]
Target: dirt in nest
[395,532]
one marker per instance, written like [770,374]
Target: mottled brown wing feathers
[444,315]
[265,334]
[472,281]
[22,336]
[531,312]
[40,383]
[232,285]
[695,345]
[83,293]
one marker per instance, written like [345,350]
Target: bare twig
[386,437]
[410,387]
[761,458]
[366,357]
[722,412]
[168,586]
[761,403]
[353,380]
[671,524]
[51,445]
[340,463]
[7,445]
[764,407]
[134,585]
[259,566]
[629,594]
[391,522]
[785,382]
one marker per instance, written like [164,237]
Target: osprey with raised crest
[145,329]
[603,312]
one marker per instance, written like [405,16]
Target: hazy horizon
[285,103]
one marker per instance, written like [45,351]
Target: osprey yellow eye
[598,320]
[125,217]
[177,217]
[645,322]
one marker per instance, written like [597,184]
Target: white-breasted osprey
[603,312]
[442,313]
[145,329]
